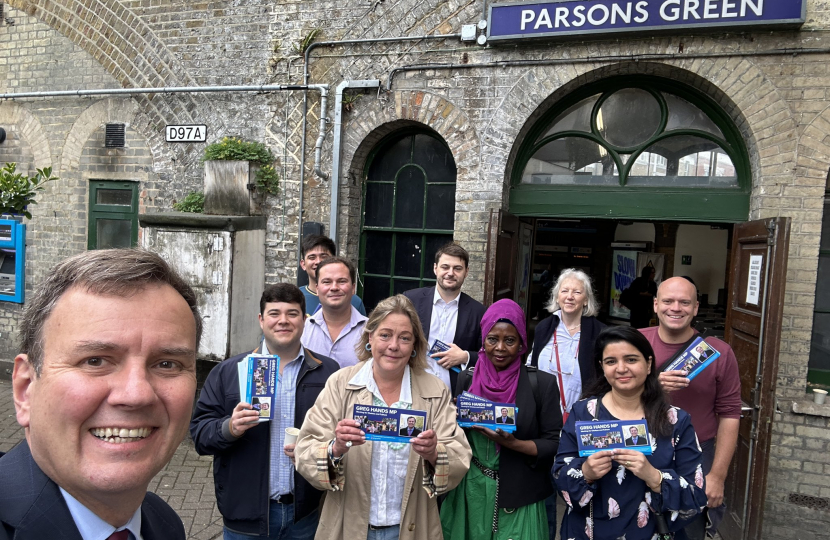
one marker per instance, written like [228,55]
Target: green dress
[467,512]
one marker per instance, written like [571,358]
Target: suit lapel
[425,309]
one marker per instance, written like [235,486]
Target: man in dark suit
[504,419]
[449,315]
[103,388]
[410,430]
[635,439]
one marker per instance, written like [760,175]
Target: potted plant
[18,191]
[233,168]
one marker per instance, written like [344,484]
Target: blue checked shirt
[282,470]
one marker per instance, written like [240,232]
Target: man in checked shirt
[280,504]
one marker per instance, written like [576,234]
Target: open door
[753,330]
[502,255]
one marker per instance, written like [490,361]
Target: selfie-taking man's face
[114,396]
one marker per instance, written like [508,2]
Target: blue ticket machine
[12,260]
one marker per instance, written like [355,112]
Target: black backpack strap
[534,384]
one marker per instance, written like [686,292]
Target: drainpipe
[336,147]
[318,146]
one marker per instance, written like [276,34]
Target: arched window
[408,213]
[634,147]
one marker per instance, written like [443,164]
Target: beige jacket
[345,514]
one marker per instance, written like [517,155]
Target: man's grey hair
[106,272]
[572,273]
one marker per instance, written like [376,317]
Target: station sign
[191,133]
[518,20]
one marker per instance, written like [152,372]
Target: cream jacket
[345,514]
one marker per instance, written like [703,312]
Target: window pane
[576,118]
[823,284]
[378,253]
[386,164]
[119,197]
[403,285]
[441,206]
[629,117]
[435,158]
[408,250]
[375,289]
[572,160]
[409,210]
[820,345]
[379,199]
[113,233]
[684,115]
[434,243]
[689,161]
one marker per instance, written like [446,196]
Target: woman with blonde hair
[381,490]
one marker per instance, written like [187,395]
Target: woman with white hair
[564,342]
[564,346]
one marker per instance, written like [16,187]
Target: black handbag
[661,527]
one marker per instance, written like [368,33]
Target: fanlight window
[636,137]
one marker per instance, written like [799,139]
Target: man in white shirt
[335,328]
[449,315]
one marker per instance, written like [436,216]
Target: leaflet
[697,356]
[476,411]
[390,425]
[440,346]
[257,375]
[599,435]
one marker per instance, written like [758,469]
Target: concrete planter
[226,188]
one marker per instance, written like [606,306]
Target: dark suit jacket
[32,507]
[640,441]
[467,329]
[526,479]
[415,432]
[508,420]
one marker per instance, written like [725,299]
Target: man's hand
[243,418]
[714,490]
[673,380]
[454,356]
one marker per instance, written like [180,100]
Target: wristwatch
[335,461]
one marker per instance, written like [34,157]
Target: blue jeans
[389,533]
[281,525]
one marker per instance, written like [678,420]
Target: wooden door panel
[502,252]
[753,330]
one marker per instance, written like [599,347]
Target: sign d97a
[194,133]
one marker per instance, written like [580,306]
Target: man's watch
[335,461]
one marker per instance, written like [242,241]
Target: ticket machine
[12,260]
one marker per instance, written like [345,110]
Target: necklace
[572,328]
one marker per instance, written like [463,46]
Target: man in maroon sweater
[713,398]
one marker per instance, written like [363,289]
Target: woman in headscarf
[502,496]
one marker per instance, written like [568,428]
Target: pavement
[186,483]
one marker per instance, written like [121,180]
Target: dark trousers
[550,509]
[697,529]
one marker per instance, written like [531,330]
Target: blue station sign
[516,20]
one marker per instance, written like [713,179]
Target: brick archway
[31,130]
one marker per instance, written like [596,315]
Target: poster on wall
[623,272]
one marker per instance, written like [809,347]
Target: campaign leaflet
[599,435]
[440,346]
[476,411]
[390,425]
[694,359]
[258,375]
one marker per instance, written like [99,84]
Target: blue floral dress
[620,501]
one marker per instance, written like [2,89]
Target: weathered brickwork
[481,101]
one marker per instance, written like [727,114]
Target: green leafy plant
[349,101]
[18,191]
[300,47]
[194,202]
[267,180]
[236,149]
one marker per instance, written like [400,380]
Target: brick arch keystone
[31,130]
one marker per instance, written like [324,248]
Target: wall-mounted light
[2,135]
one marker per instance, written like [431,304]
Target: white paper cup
[291,434]
[819,396]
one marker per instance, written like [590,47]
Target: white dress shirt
[442,326]
[91,526]
[389,460]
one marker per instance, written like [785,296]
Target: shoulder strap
[534,383]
